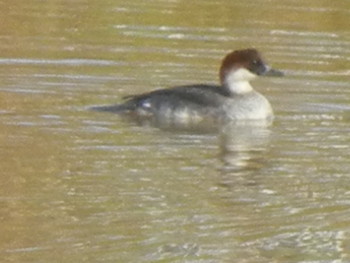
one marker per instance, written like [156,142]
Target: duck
[233,99]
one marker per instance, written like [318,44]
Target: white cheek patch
[240,74]
[238,81]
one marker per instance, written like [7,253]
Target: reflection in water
[242,143]
[243,146]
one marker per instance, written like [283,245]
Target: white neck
[237,81]
[239,87]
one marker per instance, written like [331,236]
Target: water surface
[83,186]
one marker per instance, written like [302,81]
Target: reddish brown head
[248,59]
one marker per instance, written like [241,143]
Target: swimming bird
[233,100]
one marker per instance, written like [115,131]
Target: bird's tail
[117,108]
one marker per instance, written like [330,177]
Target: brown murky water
[83,186]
